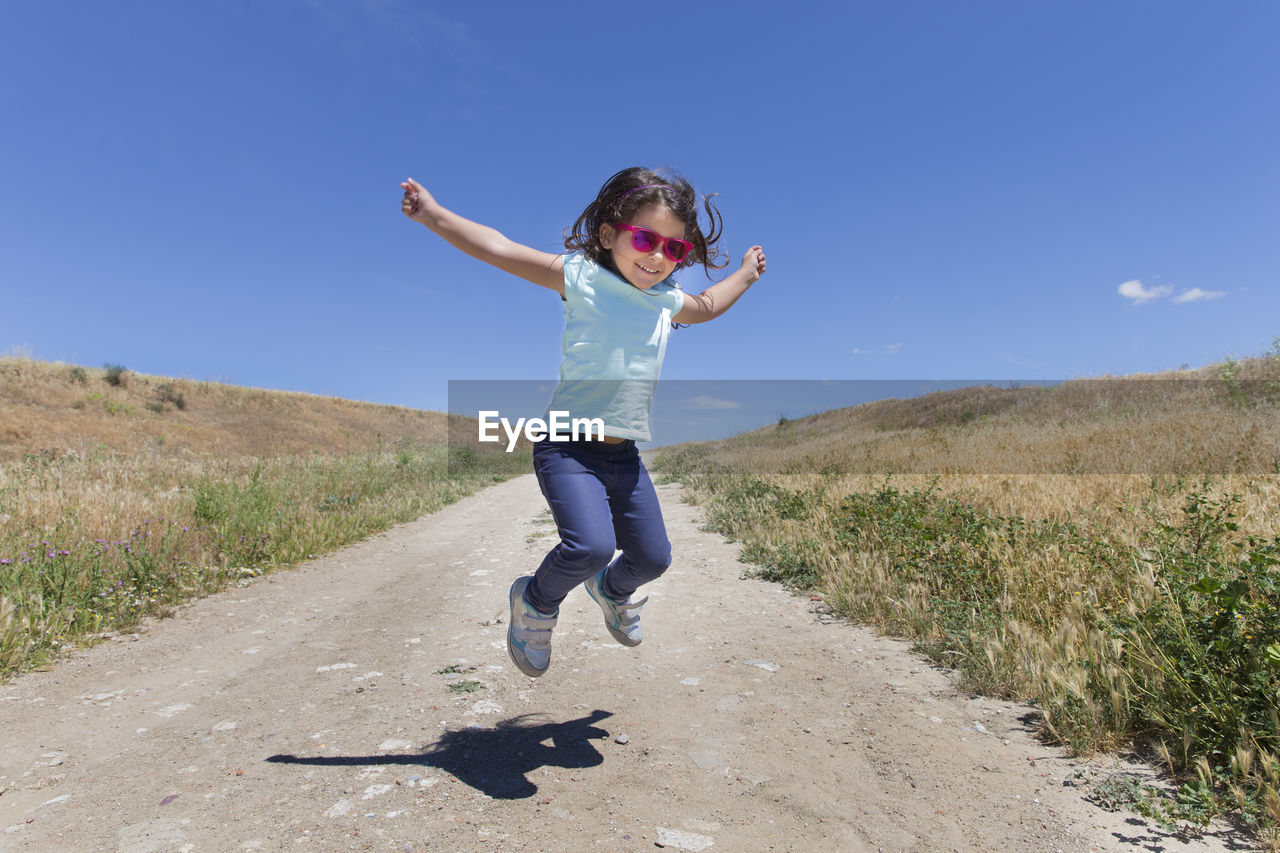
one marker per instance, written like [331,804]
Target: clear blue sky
[945,190]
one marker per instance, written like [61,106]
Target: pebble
[149,837]
[340,808]
[622,738]
[681,840]
[767,666]
[707,760]
[394,744]
[333,666]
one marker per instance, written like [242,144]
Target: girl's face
[643,269]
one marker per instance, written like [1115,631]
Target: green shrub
[167,393]
[114,374]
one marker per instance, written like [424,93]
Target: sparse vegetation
[1107,550]
[114,374]
[166,392]
[465,686]
[104,519]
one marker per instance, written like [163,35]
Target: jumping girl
[619,305]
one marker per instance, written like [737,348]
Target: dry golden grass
[83,449]
[45,409]
[1107,548]
[1038,452]
[119,499]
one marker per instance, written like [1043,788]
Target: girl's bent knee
[587,555]
[652,563]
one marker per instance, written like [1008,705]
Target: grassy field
[1108,549]
[123,495]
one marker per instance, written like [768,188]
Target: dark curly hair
[631,189]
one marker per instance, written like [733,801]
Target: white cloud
[1136,292]
[1195,294]
[703,401]
[886,350]
[892,348]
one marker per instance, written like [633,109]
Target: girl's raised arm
[481,241]
[719,297]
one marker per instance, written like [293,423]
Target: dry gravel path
[308,711]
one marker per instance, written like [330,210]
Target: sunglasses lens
[676,250]
[643,240]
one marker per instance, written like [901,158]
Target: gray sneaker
[622,618]
[528,633]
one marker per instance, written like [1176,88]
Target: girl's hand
[417,202]
[753,263]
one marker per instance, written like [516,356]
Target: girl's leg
[571,482]
[639,531]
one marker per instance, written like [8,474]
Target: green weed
[465,686]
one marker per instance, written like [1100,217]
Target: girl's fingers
[409,203]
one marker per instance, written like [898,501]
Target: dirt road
[365,701]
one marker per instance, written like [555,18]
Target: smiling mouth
[646,269]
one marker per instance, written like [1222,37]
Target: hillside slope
[58,409]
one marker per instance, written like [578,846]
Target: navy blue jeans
[602,501]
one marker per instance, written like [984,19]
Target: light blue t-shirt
[615,337]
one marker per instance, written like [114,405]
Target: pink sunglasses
[646,240]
